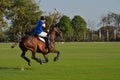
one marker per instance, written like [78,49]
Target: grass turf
[78,61]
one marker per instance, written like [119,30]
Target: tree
[111,19]
[116,20]
[80,27]
[24,14]
[66,27]
[4,4]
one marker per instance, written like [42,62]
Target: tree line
[19,17]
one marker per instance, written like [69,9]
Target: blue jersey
[38,28]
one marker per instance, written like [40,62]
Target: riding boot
[47,43]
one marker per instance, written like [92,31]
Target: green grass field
[78,61]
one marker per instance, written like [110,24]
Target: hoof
[12,46]
[56,58]
[29,64]
[41,62]
[44,61]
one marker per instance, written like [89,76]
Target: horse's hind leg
[33,57]
[24,57]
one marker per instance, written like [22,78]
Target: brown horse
[33,44]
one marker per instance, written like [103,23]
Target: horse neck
[52,36]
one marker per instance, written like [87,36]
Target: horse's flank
[29,41]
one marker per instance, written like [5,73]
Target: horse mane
[52,27]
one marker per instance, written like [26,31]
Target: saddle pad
[41,39]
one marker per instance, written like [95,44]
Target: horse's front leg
[58,54]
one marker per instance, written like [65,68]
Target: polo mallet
[55,12]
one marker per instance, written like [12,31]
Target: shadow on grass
[13,68]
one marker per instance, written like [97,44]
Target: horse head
[55,29]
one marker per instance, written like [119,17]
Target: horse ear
[56,25]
